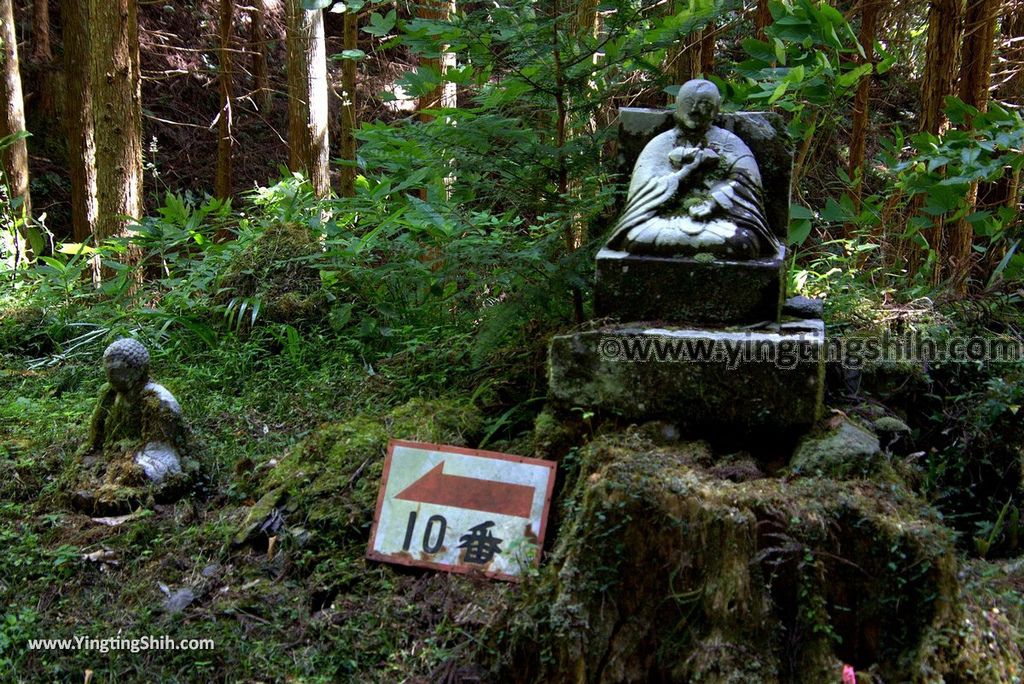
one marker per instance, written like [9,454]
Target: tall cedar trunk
[762,19]
[975,76]
[443,96]
[862,101]
[258,45]
[78,117]
[944,30]
[15,156]
[222,187]
[307,95]
[707,49]
[41,51]
[346,183]
[117,115]
[1006,191]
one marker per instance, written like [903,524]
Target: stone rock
[843,450]
[700,380]
[663,572]
[686,290]
[803,307]
[179,600]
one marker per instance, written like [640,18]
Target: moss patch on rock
[842,449]
[275,269]
[329,482]
[664,572]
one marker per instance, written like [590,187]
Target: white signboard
[461,510]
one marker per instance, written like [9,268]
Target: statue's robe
[656,219]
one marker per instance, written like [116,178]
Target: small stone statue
[696,190]
[137,441]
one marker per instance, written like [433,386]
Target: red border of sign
[374,555]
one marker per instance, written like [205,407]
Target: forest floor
[303,612]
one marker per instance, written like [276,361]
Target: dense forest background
[325,212]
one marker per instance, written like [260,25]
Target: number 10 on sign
[461,510]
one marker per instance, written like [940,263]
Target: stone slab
[711,385]
[685,290]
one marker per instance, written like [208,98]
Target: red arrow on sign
[466,492]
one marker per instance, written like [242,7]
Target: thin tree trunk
[762,19]
[307,95]
[443,96]
[944,31]
[222,186]
[258,44]
[975,77]
[41,51]
[15,156]
[1006,191]
[78,117]
[117,116]
[862,101]
[346,183]
[707,49]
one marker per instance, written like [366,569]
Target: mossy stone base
[688,290]
[722,396]
[842,450]
[664,572]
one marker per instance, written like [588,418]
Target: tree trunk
[762,19]
[1010,89]
[41,51]
[975,77]
[15,155]
[258,44]
[944,31]
[707,49]
[862,101]
[346,184]
[443,96]
[117,115]
[307,95]
[222,187]
[78,116]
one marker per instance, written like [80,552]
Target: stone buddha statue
[696,190]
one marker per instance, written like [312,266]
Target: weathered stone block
[685,290]
[732,382]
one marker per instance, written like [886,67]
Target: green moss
[664,572]
[331,480]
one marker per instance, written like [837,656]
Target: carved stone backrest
[764,133]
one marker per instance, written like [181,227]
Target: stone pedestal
[733,382]
[645,288]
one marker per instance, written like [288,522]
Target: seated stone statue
[137,443]
[696,189]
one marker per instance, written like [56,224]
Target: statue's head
[126,362]
[697,104]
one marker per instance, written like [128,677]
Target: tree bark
[15,156]
[117,116]
[81,142]
[941,58]
[862,100]
[222,186]
[307,95]
[346,183]
[258,44]
[762,19]
[41,51]
[975,77]
[944,30]
[707,49]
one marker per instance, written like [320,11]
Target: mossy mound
[663,572]
[842,449]
[275,272]
[329,482]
